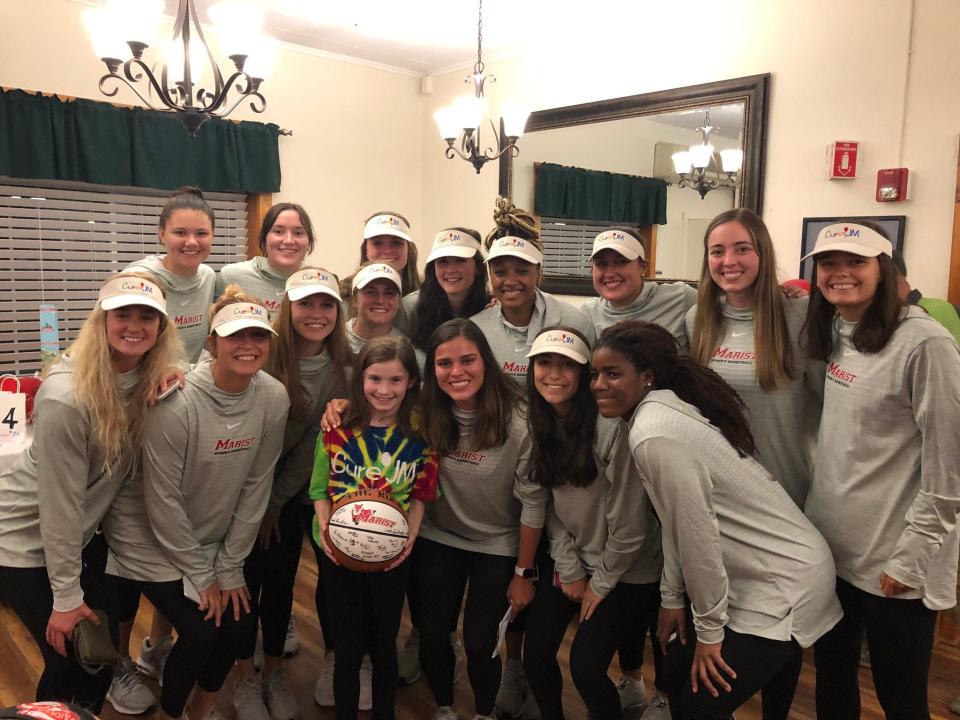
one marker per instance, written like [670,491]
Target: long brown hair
[775,364]
[409,274]
[497,399]
[186,197]
[284,361]
[271,217]
[649,347]
[380,350]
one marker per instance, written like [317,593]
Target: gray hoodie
[256,277]
[510,345]
[662,304]
[886,481]
[486,494]
[606,529]
[188,301]
[749,557]
[208,461]
[53,498]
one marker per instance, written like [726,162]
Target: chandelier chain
[480,37]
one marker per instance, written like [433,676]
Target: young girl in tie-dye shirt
[376,448]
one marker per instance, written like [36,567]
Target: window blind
[567,244]
[58,241]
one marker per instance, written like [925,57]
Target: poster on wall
[893,225]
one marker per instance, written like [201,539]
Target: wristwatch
[526,573]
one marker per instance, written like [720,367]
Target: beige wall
[838,74]
[356,146]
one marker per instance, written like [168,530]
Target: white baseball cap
[563,343]
[387,224]
[131,290]
[851,238]
[238,316]
[376,271]
[623,242]
[453,243]
[310,281]
[513,246]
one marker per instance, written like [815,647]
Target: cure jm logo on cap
[387,224]
[624,243]
[131,290]
[376,271]
[851,238]
[453,243]
[562,343]
[310,281]
[515,247]
[238,316]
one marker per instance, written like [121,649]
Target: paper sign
[502,630]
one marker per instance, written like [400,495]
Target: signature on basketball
[360,514]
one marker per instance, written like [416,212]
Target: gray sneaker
[280,702]
[513,690]
[153,658]
[248,700]
[408,662]
[633,693]
[128,694]
[658,709]
[291,643]
[445,712]
[323,692]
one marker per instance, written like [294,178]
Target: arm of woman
[566,561]
[251,506]
[533,511]
[292,472]
[933,377]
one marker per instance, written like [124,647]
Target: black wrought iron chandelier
[694,165]
[173,85]
[462,119]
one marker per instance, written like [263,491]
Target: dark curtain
[95,142]
[572,192]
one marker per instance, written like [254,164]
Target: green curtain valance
[95,142]
[572,192]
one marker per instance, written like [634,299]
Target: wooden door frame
[953,287]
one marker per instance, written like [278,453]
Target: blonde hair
[232,295]
[775,366]
[284,362]
[117,423]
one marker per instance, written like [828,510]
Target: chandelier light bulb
[514,119]
[199,62]
[681,162]
[137,20]
[469,110]
[238,24]
[447,123]
[732,160]
[105,31]
[700,155]
[262,57]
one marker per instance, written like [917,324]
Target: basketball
[367,530]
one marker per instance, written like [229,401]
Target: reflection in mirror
[634,147]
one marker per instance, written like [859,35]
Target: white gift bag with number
[13,411]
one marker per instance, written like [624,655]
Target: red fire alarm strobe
[893,184]
[842,159]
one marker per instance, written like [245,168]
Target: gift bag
[13,411]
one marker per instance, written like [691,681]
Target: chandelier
[188,82]
[693,165]
[464,117]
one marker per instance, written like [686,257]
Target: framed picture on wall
[894,226]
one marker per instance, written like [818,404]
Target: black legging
[772,666]
[203,653]
[441,573]
[900,638]
[593,646]
[643,623]
[27,592]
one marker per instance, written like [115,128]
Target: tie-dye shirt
[374,458]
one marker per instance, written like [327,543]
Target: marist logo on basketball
[368,516]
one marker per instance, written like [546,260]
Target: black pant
[365,613]
[900,638]
[270,576]
[593,646]
[772,666]
[27,592]
[642,623]
[441,573]
[203,653]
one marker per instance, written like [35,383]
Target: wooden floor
[20,664]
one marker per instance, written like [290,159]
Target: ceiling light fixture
[693,165]
[464,117]
[179,84]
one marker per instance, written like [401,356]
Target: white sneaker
[248,700]
[280,702]
[408,661]
[445,712]
[366,684]
[633,693]
[128,694]
[659,709]
[291,644]
[323,692]
[513,690]
[153,658]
